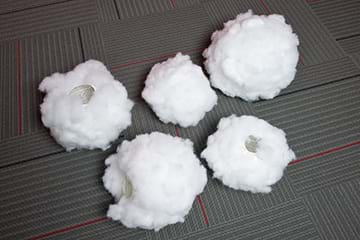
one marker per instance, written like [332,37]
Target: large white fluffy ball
[86,107]
[178,91]
[154,179]
[253,56]
[247,153]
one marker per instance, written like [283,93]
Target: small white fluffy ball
[179,92]
[164,174]
[77,125]
[237,167]
[253,56]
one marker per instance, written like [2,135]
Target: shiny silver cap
[127,187]
[252,143]
[85,92]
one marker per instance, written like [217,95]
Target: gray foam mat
[47,193]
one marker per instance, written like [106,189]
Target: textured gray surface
[26,147]
[325,171]
[101,230]
[317,119]
[52,17]
[47,193]
[351,46]
[9,88]
[285,221]
[342,18]
[317,44]
[9,6]
[50,192]
[225,204]
[137,8]
[92,42]
[221,11]
[335,211]
[41,55]
[323,73]
[154,35]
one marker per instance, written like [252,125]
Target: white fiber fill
[253,57]
[78,122]
[244,164]
[154,179]
[178,91]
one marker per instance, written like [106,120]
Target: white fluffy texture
[238,168]
[94,125]
[253,56]
[179,92]
[166,177]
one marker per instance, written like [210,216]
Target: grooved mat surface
[47,193]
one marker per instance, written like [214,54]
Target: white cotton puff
[179,92]
[92,125]
[165,176]
[253,56]
[239,168]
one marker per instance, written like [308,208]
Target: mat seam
[90,222]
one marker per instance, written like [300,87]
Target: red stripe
[70,228]
[177,131]
[325,152]
[203,211]
[202,207]
[265,6]
[19,92]
[301,60]
[155,58]
[173,3]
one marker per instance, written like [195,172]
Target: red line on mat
[301,60]
[332,150]
[173,3]
[177,131]
[202,207]
[154,58]
[203,210]
[265,6]
[70,228]
[19,91]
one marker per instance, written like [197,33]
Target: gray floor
[46,193]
